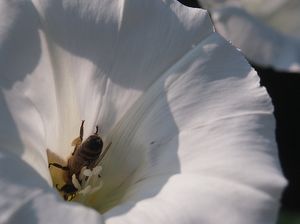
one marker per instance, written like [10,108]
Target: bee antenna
[97,129]
[81,130]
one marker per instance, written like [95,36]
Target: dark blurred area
[284,89]
[190,3]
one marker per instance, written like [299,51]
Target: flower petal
[22,129]
[13,31]
[111,59]
[284,16]
[108,62]
[208,121]
[118,55]
[272,43]
[194,199]
[27,198]
[85,52]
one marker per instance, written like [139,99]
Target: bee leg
[67,196]
[72,197]
[61,190]
[58,166]
[74,151]
[58,187]
[96,130]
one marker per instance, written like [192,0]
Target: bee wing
[76,141]
[104,152]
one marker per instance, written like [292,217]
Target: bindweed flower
[191,130]
[267,32]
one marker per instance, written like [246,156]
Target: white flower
[191,130]
[267,32]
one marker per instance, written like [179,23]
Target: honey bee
[87,155]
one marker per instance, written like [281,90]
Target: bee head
[94,143]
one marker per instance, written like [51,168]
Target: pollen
[90,180]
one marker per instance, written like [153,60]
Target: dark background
[284,89]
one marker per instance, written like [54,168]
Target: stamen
[81,175]
[87,172]
[76,182]
[97,170]
[89,180]
[86,190]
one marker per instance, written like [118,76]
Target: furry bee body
[85,154]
